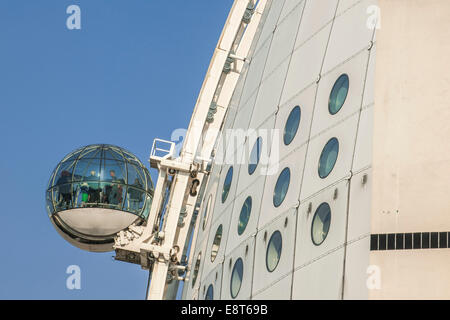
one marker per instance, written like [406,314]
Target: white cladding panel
[305,100]
[356,270]
[294,162]
[301,74]
[316,16]
[345,5]
[290,5]
[207,207]
[273,15]
[284,39]
[255,72]
[350,34]
[236,137]
[266,133]
[345,132]
[223,221]
[359,205]
[255,192]
[269,95]
[245,252]
[369,90]
[220,206]
[364,141]
[306,251]
[321,279]
[214,278]
[285,224]
[192,288]
[358,236]
[280,290]
[355,69]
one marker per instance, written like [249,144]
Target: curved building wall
[270,249]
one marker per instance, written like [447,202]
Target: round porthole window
[210,293]
[281,187]
[236,278]
[328,157]
[291,127]
[196,268]
[227,184]
[273,253]
[321,224]
[216,243]
[206,212]
[244,215]
[255,155]
[338,94]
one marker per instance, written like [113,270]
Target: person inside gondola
[94,191]
[113,191]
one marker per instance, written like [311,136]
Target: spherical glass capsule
[338,94]
[95,192]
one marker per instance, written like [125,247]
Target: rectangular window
[391,241]
[425,240]
[399,239]
[408,240]
[382,241]
[442,239]
[416,241]
[434,240]
[374,242]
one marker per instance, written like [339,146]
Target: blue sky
[131,74]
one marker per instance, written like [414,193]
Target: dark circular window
[321,224]
[196,268]
[210,293]
[328,157]
[273,252]
[281,187]
[216,243]
[338,94]
[206,212]
[291,127]
[227,184]
[244,215]
[255,155]
[236,278]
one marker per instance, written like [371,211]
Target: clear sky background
[131,74]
